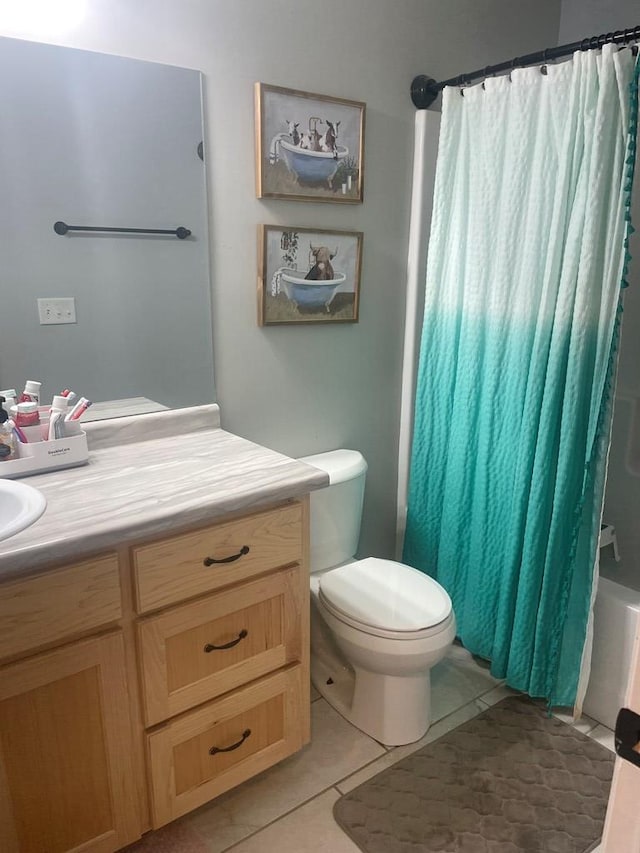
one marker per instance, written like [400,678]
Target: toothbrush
[22,438]
[79,409]
[72,412]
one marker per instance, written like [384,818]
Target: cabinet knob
[209,561]
[211,648]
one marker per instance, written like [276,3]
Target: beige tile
[456,681]
[498,694]
[176,837]
[452,721]
[585,724]
[603,735]
[309,829]
[314,694]
[336,750]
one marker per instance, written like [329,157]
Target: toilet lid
[385,594]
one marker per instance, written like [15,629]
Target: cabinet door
[66,774]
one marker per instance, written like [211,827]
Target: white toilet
[377,626]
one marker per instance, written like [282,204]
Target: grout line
[353,772]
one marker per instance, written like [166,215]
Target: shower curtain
[527,255]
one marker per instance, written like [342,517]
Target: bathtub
[312,166]
[615,617]
[306,293]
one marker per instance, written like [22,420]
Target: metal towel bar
[181,233]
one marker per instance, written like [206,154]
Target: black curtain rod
[424,90]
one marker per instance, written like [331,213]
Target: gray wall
[582,18]
[304,389]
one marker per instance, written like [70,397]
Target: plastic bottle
[31,393]
[26,414]
[10,397]
[7,438]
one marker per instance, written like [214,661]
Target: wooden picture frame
[308,147]
[308,275]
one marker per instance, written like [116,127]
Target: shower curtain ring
[514,62]
[486,73]
[543,67]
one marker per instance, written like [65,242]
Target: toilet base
[392,710]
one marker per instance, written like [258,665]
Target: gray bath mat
[511,780]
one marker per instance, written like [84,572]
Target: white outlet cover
[57,310]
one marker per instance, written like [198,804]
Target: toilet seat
[386,599]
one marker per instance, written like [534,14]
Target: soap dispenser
[7,435]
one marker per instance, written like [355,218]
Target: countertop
[149,475]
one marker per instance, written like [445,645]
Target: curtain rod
[424,90]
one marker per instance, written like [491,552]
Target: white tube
[424,166]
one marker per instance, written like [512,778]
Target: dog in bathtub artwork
[309,147]
[309,275]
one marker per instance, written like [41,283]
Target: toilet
[377,626]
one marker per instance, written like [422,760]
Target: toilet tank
[336,510]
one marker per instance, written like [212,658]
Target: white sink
[20,506]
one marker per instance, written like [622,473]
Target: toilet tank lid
[340,465]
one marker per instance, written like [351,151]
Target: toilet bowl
[377,626]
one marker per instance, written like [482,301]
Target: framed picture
[308,275]
[308,147]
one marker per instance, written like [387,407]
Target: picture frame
[308,275]
[309,147]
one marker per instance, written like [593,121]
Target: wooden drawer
[49,607]
[253,728]
[181,567]
[254,627]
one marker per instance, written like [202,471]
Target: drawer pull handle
[211,648]
[209,561]
[215,749]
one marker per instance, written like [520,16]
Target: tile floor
[288,809]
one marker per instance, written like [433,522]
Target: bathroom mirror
[103,141]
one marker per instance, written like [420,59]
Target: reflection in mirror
[102,141]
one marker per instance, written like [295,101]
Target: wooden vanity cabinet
[140,684]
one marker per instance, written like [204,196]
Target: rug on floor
[511,780]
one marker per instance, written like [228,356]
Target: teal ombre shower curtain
[527,254]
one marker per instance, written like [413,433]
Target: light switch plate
[56,310]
